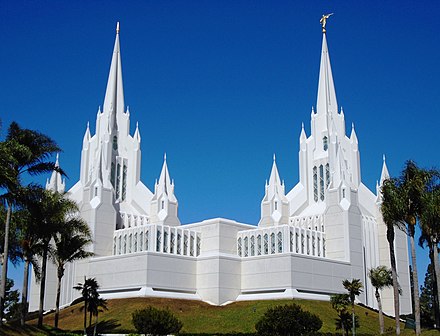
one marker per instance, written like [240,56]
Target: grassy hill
[199,317]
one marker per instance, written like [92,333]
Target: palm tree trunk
[390,238]
[57,300]
[353,317]
[437,278]
[416,297]
[24,292]
[379,305]
[5,263]
[42,285]
[85,314]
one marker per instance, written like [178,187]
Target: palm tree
[354,288]
[24,151]
[391,208]
[49,214]
[89,291]
[380,278]
[70,245]
[430,226]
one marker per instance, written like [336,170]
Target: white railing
[281,239]
[312,222]
[157,238]
[129,220]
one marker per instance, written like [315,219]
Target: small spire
[57,163]
[274,157]
[302,125]
[385,174]
[383,158]
[165,156]
[117,27]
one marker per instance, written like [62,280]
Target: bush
[155,322]
[288,320]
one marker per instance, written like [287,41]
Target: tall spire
[326,102]
[385,174]
[114,94]
[56,183]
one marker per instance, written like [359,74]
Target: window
[327,175]
[272,243]
[162,205]
[291,241]
[323,247]
[141,241]
[321,182]
[179,243]
[313,246]
[130,240]
[252,246]
[302,243]
[112,174]
[297,242]
[147,240]
[96,191]
[280,242]
[119,244]
[325,143]
[191,246]
[198,246]
[124,182]
[165,241]
[115,143]
[246,246]
[135,243]
[259,245]
[343,193]
[124,246]
[266,244]
[114,246]
[308,244]
[239,247]
[315,184]
[276,205]
[118,180]
[185,244]
[319,247]
[172,242]
[158,240]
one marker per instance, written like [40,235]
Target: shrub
[155,322]
[288,320]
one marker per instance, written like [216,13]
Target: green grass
[199,317]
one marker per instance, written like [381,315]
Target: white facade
[326,229]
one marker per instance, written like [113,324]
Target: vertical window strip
[124,182]
[327,175]
[315,184]
[321,182]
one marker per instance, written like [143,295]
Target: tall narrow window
[327,175]
[259,244]
[323,247]
[115,143]
[124,182]
[315,184]
[199,242]
[135,242]
[162,205]
[313,245]
[179,243]
[158,240]
[280,242]
[297,242]
[130,242]
[191,246]
[302,243]
[114,246]
[266,244]
[246,246]
[124,246]
[239,247]
[252,253]
[319,247]
[321,182]
[291,241]
[141,241]
[147,240]
[112,174]
[118,180]
[308,244]
[185,244]
[172,242]
[119,245]
[276,205]
[325,143]
[272,243]
[165,241]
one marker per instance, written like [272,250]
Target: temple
[326,229]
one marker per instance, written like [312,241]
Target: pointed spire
[56,183]
[385,174]
[114,95]
[326,102]
[137,135]
[274,178]
[303,135]
[164,184]
[353,136]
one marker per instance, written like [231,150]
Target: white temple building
[326,229]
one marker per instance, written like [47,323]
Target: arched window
[327,175]
[246,246]
[266,244]
[325,143]
[239,247]
[179,243]
[252,246]
[280,242]
[272,243]
[259,244]
[291,241]
[185,244]
[172,242]
[191,246]
[165,241]
[158,240]
[315,184]
[321,182]
[297,242]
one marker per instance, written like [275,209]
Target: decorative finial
[302,125]
[117,27]
[165,156]
[88,125]
[137,124]
[352,125]
[274,157]
[323,21]
[383,157]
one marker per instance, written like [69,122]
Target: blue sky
[222,85]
